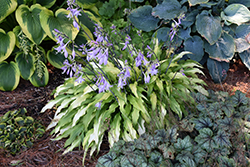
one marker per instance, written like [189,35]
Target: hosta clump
[216,136]
[18,131]
[213,30]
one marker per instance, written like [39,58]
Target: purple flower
[138,59]
[127,39]
[98,105]
[146,78]
[153,70]
[68,68]
[102,84]
[73,12]
[80,79]
[123,76]
[103,56]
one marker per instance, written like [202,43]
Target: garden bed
[49,153]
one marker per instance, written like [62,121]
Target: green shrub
[213,30]
[217,135]
[18,131]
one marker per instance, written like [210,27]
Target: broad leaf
[40,76]
[142,19]
[199,154]
[136,159]
[228,109]
[172,134]
[108,160]
[242,35]
[244,56]
[194,45]
[201,123]
[208,26]
[214,111]
[55,59]
[25,64]
[46,3]
[190,18]
[10,76]
[222,139]
[115,130]
[216,69]
[167,10]
[243,2]
[223,49]
[183,145]
[239,97]
[227,162]
[205,139]
[186,158]
[59,21]
[7,44]
[236,13]
[226,124]
[28,19]
[195,2]
[6,8]
[86,4]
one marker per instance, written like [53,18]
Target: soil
[48,153]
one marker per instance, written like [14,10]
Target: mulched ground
[48,153]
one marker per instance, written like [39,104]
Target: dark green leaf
[194,45]
[183,145]
[201,123]
[222,139]
[205,139]
[142,19]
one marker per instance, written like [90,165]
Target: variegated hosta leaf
[59,21]
[25,64]
[10,76]
[46,3]
[40,76]
[28,19]
[7,44]
[55,59]
[86,4]
[6,8]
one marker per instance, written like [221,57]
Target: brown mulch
[48,153]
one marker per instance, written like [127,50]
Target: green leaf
[223,49]
[226,123]
[228,108]
[186,158]
[194,45]
[59,21]
[28,19]
[201,123]
[7,44]
[86,4]
[153,100]
[7,7]
[216,68]
[195,2]
[222,139]
[239,98]
[235,13]
[226,162]
[55,59]
[175,106]
[136,159]
[10,76]
[133,87]
[167,10]
[142,18]
[46,3]
[205,139]
[115,130]
[244,56]
[243,2]
[183,145]
[199,154]
[25,64]
[19,121]
[172,134]
[208,26]
[242,35]
[108,160]
[37,80]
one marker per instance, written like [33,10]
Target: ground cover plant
[27,40]
[118,85]
[215,31]
[217,135]
[18,131]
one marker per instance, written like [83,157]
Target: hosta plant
[26,38]
[18,131]
[216,136]
[119,87]
[213,30]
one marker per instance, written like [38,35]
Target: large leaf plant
[26,38]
